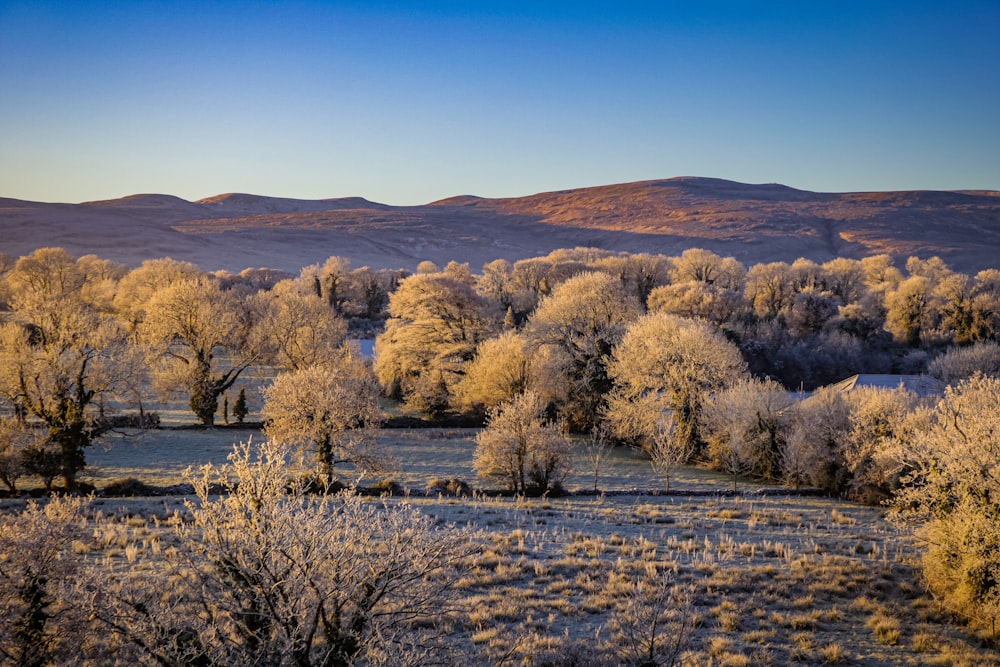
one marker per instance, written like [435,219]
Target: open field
[764,579]
[160,458]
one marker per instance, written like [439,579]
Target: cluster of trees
[80,337]
[605,340]
[802,324]
[690,356]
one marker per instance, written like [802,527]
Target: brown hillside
[752,222]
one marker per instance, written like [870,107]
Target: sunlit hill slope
[751,222]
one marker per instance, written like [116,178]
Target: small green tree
[240,410]
[43,460]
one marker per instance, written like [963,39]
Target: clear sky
[405,103]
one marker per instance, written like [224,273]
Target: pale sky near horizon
[409,102]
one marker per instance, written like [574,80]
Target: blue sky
[406,103]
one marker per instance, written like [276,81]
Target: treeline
[81,334]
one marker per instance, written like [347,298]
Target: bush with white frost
[269,574]
[953,488]
[521,449]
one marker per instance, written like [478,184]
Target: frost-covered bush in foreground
[954,487]
[270,575]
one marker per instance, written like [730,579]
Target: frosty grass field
[774,578]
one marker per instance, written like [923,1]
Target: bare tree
[656,622]
[596,449]
[666,450]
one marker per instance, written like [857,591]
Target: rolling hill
[754,223]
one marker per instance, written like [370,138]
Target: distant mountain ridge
[754,223]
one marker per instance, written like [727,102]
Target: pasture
[759,578]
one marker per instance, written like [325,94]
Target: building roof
[922,385]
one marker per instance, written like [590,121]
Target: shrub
[449,487]
[129,486]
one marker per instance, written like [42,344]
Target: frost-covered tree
[818,436]
[200,340]
[139,285]
[704,266]
[435,327]
[961,363]
[881,421]
[953,489]
[299,329]
[498,373]
[747,425]
[269,574]
[583,319]
[845,279]
[330,412]
[60,356]
[639,273]
[881,273]
[698,300]
[967,309]
[809,312]
[769,288]
[521,449]
[908,311]
[666,450]
[496,282]
[666,363]
[43,622]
